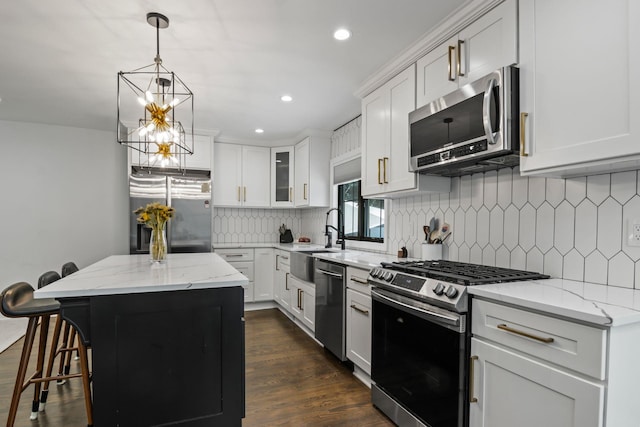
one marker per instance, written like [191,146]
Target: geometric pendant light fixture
[155,110]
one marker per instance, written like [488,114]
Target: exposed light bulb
[149,97]
[175,102]
[259,130]
[142,102]
[286,98]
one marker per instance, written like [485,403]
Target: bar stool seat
[17,301]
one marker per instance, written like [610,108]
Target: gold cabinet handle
[379,169]
[459,65]
[358,309]
[472,398]
[277,256]
[523,119]
[245,194]
[286,281]
[450,68]
[359,280]
[290,191]
[384,167]
[304,191]
[299,303]
[525,334]
[238,193]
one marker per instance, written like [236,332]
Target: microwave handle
[486,111]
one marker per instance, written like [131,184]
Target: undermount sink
[302,263]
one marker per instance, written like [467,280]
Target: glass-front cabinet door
[282,194]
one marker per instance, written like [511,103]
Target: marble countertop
[360,259]
[354,258]
[587,302]
[124,274]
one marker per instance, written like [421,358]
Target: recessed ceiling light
[342,34]
[286,98]
[259,130]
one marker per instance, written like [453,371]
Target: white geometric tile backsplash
[574,228]
[569,228]
[239,225]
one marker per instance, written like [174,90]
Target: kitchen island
[167,339]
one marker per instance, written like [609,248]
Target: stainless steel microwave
[473,129]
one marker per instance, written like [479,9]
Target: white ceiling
[59,59]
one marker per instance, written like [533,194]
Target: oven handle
[486,111]
[424,314]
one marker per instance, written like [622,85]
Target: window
[363,218]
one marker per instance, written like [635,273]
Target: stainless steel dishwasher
[330,310]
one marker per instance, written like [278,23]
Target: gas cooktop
[441,282]
[462,273]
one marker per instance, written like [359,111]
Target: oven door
[419,355]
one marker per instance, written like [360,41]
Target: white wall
[64,198]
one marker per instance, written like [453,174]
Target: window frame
[362,214]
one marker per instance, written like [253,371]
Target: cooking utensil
[433,224]
[427,231]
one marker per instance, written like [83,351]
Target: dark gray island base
[164,358]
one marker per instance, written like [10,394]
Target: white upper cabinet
[241,175]
[312,172]
[385,141]
[201,157]
[579,65]
[282,176]
[487,44]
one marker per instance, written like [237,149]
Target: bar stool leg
[29,337]
[65,344]
[52,355]
[84,365]
[42,350]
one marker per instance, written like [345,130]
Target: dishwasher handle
[328,273]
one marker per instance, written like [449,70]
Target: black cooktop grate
[461,272]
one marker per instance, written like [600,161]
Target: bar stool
[69,334]
[64,351]
[17,301]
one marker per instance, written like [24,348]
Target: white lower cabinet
[253,263]
[528,369]
[513,390]
[246,268]
[281,290]
[359,329]
[303,302]
[358,318]
[264,264]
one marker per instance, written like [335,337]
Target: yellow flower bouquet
[155,216]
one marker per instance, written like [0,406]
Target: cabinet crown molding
[458,20]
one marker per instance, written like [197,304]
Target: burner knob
[451,292]
[387,276]
[375,272]
[439,289]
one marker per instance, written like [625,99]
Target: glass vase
[158,245]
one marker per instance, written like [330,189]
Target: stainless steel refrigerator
[189,194]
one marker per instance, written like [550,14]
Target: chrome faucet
[327,231]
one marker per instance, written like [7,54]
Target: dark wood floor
[290,381]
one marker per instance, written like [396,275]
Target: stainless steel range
[420,338]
